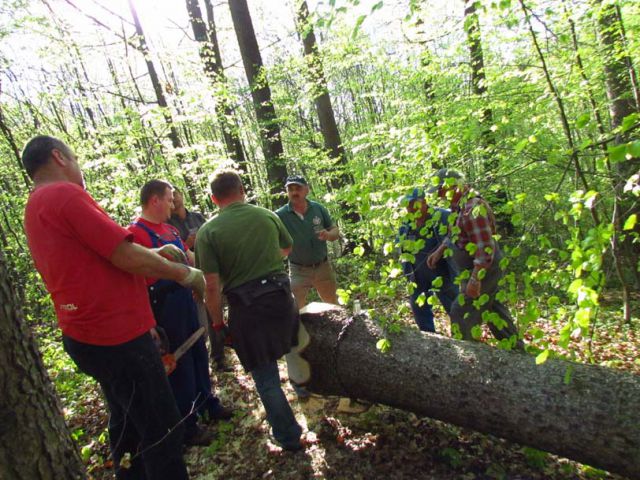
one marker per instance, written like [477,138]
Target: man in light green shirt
[311,227]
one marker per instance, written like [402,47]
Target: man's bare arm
[136,259]
[213,298]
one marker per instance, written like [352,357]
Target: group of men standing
[119,293]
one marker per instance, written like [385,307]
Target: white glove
[195,280]
[171,253]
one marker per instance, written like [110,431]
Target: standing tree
[261,94]
[328,126]
[620,93]
[35,443]
[174,136]
[205,35]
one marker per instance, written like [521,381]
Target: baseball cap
[439,179]
[296,179]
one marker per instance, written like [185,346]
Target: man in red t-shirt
[95,276]
[176,312]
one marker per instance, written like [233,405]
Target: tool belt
[247,293]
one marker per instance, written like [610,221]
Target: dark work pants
[144,420]
[466,315]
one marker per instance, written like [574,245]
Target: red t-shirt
[165,234]
[71,240]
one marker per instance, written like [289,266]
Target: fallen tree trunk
[593,418]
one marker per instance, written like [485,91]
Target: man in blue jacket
[419,235]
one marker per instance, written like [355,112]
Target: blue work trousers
[423,277]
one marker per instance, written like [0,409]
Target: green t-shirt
[307,248]
[241,243]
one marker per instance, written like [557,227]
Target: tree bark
[35,443]
[328,125]
[593,418]
[162,101]
[205,35]
[261,94]
[478,78]
[620,93]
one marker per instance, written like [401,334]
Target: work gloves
[172,253]
[195,281]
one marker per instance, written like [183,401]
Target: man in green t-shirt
[311,227]
[240,251]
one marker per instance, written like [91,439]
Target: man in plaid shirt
[474,248]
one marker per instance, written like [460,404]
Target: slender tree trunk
[35,443]
[633,76]
[564,120]
[162,101]
[8,135]
[261,94]
[479,79]
[616,252]
[328,126]
[584,412]
[324,109]
[620,93]
[206,36]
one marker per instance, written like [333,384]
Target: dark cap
[444,176]
[296,179]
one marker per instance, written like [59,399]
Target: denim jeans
[144,419]
[423,277]
[283,423]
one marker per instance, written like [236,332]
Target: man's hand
[473,288]
[195,280]
[323,235]
[171,253]
[434,258]
[190,241]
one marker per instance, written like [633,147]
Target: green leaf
[377,6]
[634,149]
[542,357]
[631,222]
[437,282]
[384,345]
[582,120]
[617,153]
[521,144]
[356,29]
[629,121]
[533,261]
[359,250]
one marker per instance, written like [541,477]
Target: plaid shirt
[477,226]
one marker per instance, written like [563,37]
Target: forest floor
[382,443]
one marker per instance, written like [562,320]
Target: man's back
[71,240]
[243,242]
